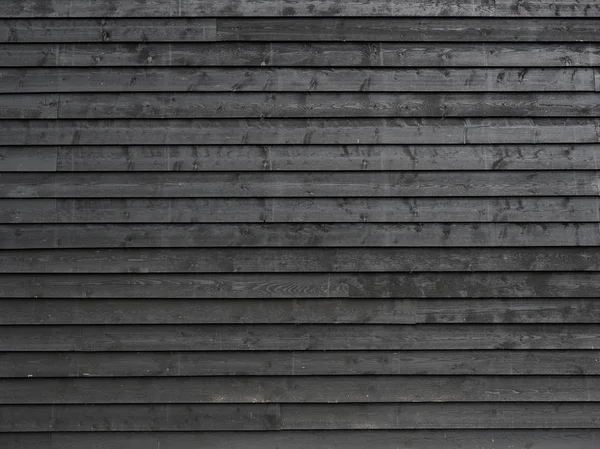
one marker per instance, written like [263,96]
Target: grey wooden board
[287,337]
[349,29]
[259,79]
[296,105]
[163,29]
[299,131]
[299,157]
[320,439]
[277,311]
[300,184]
[461,29]
[299,235]
[298,363]
[154,417]
[314,54]
[304,285]
[282,260]
[326,8]
[313,389]
[299,210]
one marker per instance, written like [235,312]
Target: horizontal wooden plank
[366,29]
[300,184]
[319,439]
[19,106]
[391,29]
[300,389]
[149,30]
[326,8]
[299,157]
[259,79]
[298,363]
[314,54]
[282,260]
[303,285]
[303,235]
[297,210]
[301,311]
[288,337]
[296,105]
[299,131]
[138,417]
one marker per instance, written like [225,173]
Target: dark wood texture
[290,224]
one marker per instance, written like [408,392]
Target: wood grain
[301,389]
[299,131]
[301,311]
[313,54]
[298,363]
[298,157]
[299,439]
[414,235]
[305,260]
[295,105]
[304,285]
[300,337]
[302,210]
[303,79]
[326,8]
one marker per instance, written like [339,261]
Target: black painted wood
[290,224]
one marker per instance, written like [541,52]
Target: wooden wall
[299,224]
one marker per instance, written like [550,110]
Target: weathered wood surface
[259,79]
[325,8]
[295,105]
[302,210]
[301,311]
[298,363]
[314,54]
[282,260]
[300,337]
[304,285]
[292,184]
[300,131]
[380,29]
[362,235]
[301,389]
[298,157]
[348,29]
[300,439]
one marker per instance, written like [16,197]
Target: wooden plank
[303,311]
[297,363]
[115,418]
[314,389]
[314,54]
[288,337]
[299,157]
[232,79]
[143,30]
[325,8]
[347,29]
[440,416]
[320,439]
[299,210]
[299,184]
[299,131]
[299,235]
[303,285]
[17,106]
[298,105]
[283,260]
[388,29]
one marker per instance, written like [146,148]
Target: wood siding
[300,223]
